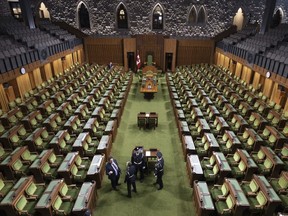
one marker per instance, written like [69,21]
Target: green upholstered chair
[249,145]
[152,122]
[48,172]
[82,163]
[69,139]
[266,167]
[244,137]
[34,190]
[211,174]
[280,184]
[3,153]
[250,188]
[28,157]
[233,159]
[40,144]
[141,122]
[5,186]
[89,150]
[227,148]
[225,207]
[259,156]
[64,148]
[208,162]
[2,129]
[257,203]
[19,168]
[15,140]
[78,175]
[272,141]
[149,60]
[238,172]
[68,192]
[24,206]
[203,150]
[220,192]
[55,160]
[265,133]
[62,207]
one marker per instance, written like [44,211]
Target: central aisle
[176,197]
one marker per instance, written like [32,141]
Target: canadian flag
[138,61]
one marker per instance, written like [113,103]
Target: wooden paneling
[3,99]
[23,84]
[129,46]
[195,51]
[151,45]
[57,66]
[104,50]
[48,71]
[170,46]
[37,77]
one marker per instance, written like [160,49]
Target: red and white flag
[138,61]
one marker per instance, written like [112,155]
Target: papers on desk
[147,115]
[147,153]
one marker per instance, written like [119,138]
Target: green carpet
[176,196]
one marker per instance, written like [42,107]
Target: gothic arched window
[122,20]
[277,18]
[83,14]
[201,16]
[157,22]
[192,19]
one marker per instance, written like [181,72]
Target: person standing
[113,172]
[138,161]
[159,170]
[130,178]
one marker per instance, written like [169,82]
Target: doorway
[168,61]
[131,61]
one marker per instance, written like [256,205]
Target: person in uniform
[159,170]
[130,178]
[113,172]
[138,160]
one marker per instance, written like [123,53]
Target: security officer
[138,160]
[130,178]
[159,169]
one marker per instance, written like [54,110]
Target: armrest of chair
[220,197]
[251,194]
[226,210]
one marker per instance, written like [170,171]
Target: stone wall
[102,13]
[5,8]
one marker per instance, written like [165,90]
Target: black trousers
[129,183]
[159,179]
[114,180]
[139,167]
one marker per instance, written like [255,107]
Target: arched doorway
[43,12]
[157,20]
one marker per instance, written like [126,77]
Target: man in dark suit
[130,178]
[159,170]
[139,161]
[113,172]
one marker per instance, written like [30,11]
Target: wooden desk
[188,146]
[86,199]
[212,112]
[239,123]
[228,110]
[85,145]
[194,169]
[224,167]
[273,200]
[97,169]
[147,116]
[241,202]
[149,84]
[203,200]
[111,128]
[105,145]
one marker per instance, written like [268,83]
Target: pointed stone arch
[202,16]
[83,17]
[277,17]
[121,16]
[238,19]
[192,16]
[43,11]
[157,17]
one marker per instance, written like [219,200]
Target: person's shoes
[155,183]
[141,180]
[160,188]
[116,189]
[134,191]
[129,196]
[118,184]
